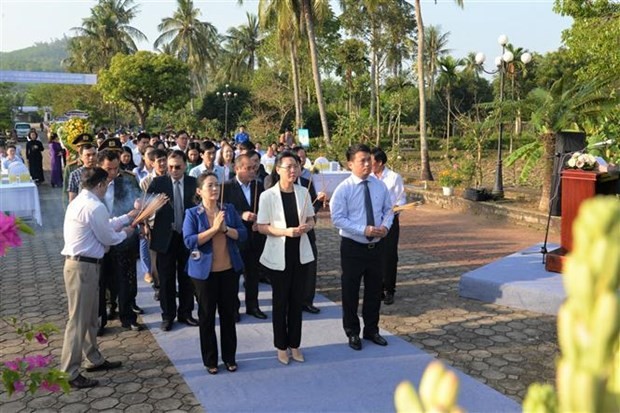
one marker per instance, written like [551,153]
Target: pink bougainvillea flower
[13,364]
[19,386]
[38,361]
[51,387]
[9,235]
[41,338]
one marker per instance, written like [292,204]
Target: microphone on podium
[601,144]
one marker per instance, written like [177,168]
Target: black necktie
[370,216]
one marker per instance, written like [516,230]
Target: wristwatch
[226,230]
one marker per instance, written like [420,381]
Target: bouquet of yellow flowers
[71,129]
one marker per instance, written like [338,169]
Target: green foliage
[540,398]
[44,57]
[145,81]
[530,154]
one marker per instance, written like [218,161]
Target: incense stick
[255,195]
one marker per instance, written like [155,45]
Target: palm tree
[351,59]
[246,39]
[285,17]
[435,44]
[564,105]
[105,33]
[190,40]
[448,76]
[426,166]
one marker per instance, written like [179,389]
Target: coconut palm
[448,76]
[426,166]
[104,33]
[246,40]
[192,41]
[435,44]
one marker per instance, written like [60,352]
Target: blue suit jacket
[196,222]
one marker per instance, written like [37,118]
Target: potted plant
[448,179]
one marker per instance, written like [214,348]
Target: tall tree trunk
[548,144]
[373,91]
[296,88]
[426,173]
[378,105]
[448,122]
[316,74]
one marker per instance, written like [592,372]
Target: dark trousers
[288,290]
[390,267]
[251,265]
[217,292]
[107,287]
[310,287]
[359,262]
[171,269]
[122,265]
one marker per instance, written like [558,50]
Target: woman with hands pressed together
[211,232]
[285,215]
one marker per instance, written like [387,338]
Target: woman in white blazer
[285,215]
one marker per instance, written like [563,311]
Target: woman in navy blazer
[211,232]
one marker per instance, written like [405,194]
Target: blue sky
[528,23]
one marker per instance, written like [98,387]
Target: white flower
[580,163]
[572,162]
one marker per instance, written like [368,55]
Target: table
[328,181]
[21,200]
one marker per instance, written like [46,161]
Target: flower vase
[448,190]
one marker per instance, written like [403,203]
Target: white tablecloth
[21,200]
[328,181]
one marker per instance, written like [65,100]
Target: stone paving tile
[32,289]
[489,342]
[505,348]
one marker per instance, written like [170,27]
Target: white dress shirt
[347,207]
[395,185]
[88,228]
[247,190]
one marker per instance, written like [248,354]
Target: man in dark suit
[167,241]
[243,191]
[118,272]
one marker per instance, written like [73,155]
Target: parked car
[22,129]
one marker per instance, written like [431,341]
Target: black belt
[84,259]
[370,246]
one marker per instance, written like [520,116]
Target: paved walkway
[505,348]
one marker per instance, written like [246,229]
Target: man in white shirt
[182,141]
[88,232]
[208,161]
[396,187]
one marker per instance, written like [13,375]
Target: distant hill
[40,57]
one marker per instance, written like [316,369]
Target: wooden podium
[577,186]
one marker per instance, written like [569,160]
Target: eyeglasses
[290,167]
[175,167]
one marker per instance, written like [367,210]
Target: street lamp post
[226,95]
[501,62]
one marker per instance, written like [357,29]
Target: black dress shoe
[190,321]
[156,295]
[376,338]
[100,331]
[355,343]
[389,298]
[166,325]
[112,314]
[136,309]
[133,326]
[311,309]
[265,280]
[81,382]
[237,317]
[256,312]
[106,365]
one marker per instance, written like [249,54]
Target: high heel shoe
[231,367]
[283,357]
[297,355]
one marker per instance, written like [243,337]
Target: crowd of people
[232,211]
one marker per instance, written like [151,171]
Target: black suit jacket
[161,235]
[233,194]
